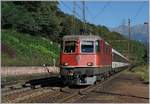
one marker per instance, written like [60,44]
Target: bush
[29,50]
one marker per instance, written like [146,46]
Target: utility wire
[70,9]
[102,10]
[90,14]
[79,7]
[138,11]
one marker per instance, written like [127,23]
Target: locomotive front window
[69,46]
[87,46]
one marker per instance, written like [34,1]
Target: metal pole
[84,21]
[129,39]
[73,18]
[146,23]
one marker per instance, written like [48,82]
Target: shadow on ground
[54,81]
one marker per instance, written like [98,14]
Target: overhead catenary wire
[89,12]
[138,11]
[102,10]
[70,9]
[129,27]
[83,10]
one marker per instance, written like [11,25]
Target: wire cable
[138,12]
[90,14]
[102,10]
[70,9]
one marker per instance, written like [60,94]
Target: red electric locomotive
[84,59]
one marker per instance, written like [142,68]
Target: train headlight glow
[66,64]
[90,64]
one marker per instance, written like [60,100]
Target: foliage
[143,72]
[23,49]
[45,19]
[36,18]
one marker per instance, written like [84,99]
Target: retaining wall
[17,71]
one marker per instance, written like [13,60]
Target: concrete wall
[17,71]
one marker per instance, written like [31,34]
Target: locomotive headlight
[65,64]
[90,64]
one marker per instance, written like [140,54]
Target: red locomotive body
[84,59]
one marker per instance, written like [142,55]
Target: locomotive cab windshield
[69,46]
[90,46]
[87,46]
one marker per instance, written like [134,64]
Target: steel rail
[79,94]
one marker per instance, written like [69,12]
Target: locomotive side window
[87,46]
[69,46]
[97,47]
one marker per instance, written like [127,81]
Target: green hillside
[29,27]
[20,49]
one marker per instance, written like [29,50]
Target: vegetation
[23,49]
[29,27]
[143,71]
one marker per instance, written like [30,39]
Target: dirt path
[126,88]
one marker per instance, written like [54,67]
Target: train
[86,59]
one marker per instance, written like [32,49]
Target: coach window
[87,46]
[69,46]
[97,47]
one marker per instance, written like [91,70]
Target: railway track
[62,95]
[84,92]
[21,96]
[24,93]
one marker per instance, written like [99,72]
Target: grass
[143,71]
[19,49]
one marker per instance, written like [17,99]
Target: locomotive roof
[72,37]
[88,37]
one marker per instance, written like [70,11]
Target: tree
[31,17]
